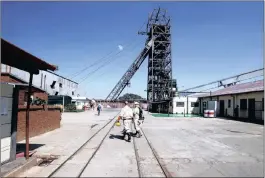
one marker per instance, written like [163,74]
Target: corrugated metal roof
[238,88]
[16,57]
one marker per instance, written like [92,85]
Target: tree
[130,96]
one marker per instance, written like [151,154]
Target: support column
[27,116]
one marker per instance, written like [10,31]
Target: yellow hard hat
[118,124]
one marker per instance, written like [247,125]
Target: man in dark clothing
[236,110]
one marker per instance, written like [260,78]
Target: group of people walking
[131,115]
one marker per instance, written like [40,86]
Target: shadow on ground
[246,120]
[120,137]
[21,147]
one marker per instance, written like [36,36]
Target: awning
[14,56]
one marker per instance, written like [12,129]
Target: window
[41,80]
[229,103]
[194,104]
[170,104]
[243,104]
[73,93]
[180,104]
[44,85]
[53,84]
[60,85]
[204,105]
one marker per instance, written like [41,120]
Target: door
[204,106]
[6,121]
[251,108]
[222,108]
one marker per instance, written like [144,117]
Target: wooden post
[27,116]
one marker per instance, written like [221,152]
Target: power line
[106,58]
[96,62]
[93,64]
[108,63]
[238,82]
[103,65]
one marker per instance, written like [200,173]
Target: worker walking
[137,115]
[99,108]
[126,115]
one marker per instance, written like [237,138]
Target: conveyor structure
[125,80]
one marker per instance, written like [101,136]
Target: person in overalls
[137,116]
[126,115]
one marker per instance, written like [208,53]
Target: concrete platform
[76,129]
[192,147]
[115,158]
[196,147]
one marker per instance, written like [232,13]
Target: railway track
[59,168]
[98,138]
[159,161]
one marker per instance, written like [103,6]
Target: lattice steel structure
[158,50]
[159,79]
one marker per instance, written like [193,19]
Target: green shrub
[39,102]
[70,107]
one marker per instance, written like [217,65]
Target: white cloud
[120,47]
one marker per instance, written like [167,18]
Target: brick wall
[7,78]
[21,97]
[4,78]
[41,121]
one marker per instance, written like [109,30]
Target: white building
[249,97]
[52,83]
[80,102]
[181,105]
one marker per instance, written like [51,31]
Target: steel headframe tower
[159,81]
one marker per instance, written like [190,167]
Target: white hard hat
[136,103]
[126,102]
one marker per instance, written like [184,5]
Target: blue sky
[210,40]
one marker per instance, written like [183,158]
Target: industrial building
[50,82]
[244,101]
[249,97]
